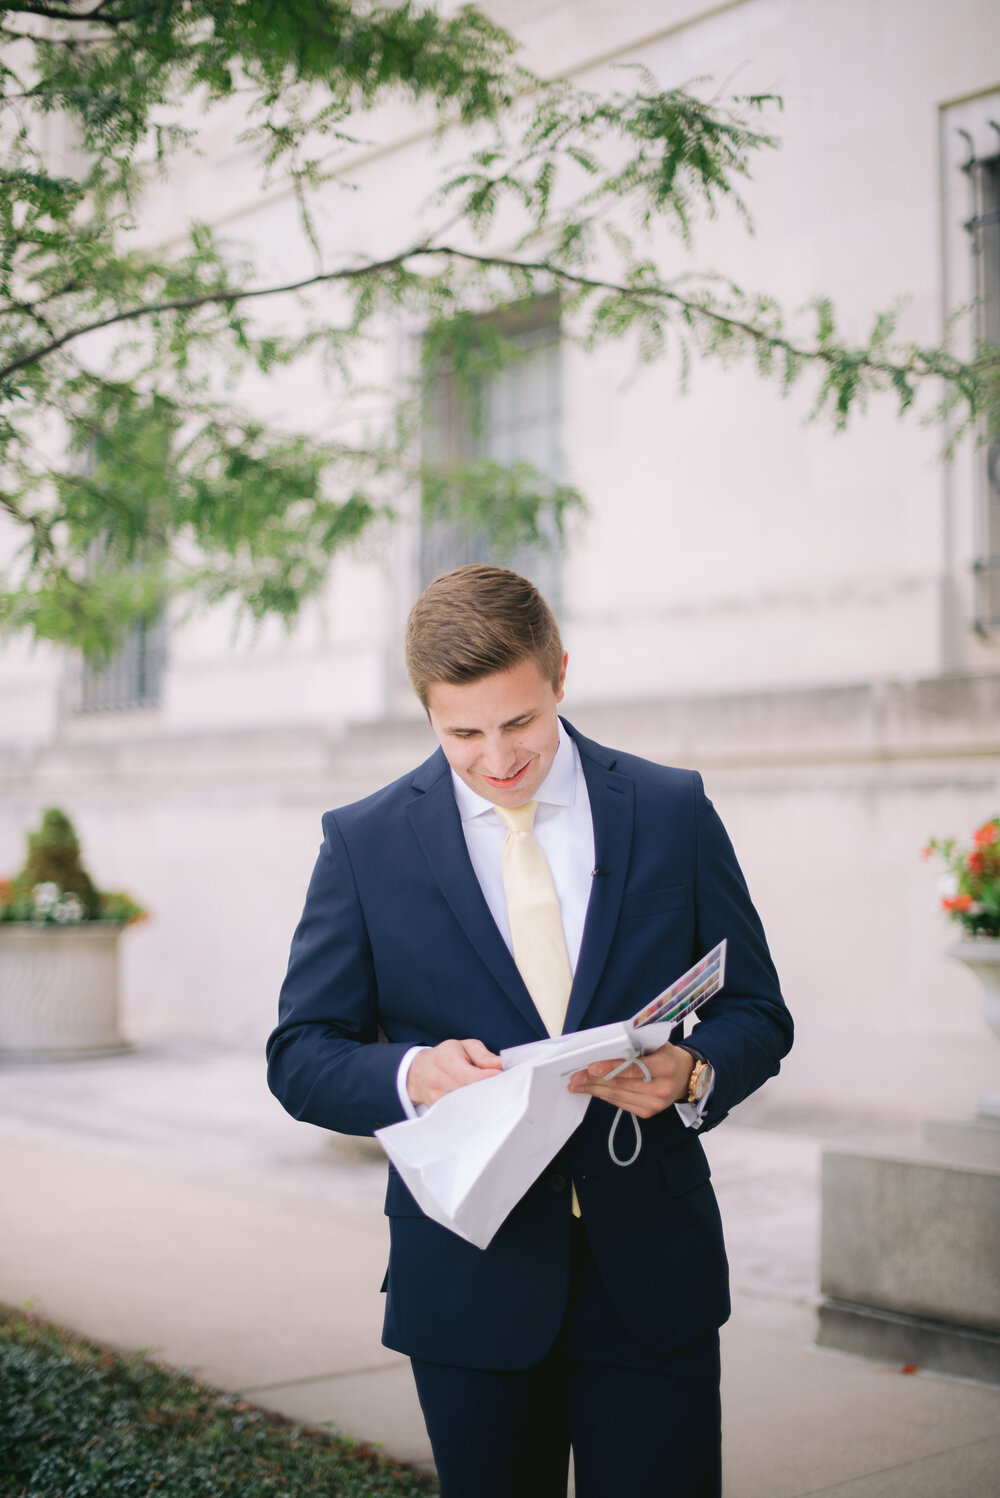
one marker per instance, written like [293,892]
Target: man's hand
[670,1068]
[452,1064]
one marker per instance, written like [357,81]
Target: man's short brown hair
[476,621]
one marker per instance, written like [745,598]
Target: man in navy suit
[592,1318]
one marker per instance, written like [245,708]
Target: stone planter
[981,955]
[58,989]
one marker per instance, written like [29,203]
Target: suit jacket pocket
[654,901]
[684,1166]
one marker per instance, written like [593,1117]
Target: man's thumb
[479,1055]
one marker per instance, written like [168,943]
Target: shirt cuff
[692,1115]
[409,1107]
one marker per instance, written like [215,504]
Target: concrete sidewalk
[163,1200]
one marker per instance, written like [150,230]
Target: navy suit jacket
[396,947]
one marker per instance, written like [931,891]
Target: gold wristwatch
[700,1079]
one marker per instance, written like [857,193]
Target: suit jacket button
[556,1182]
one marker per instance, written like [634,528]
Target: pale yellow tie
[536,926]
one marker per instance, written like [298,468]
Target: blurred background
[807,616]
[693,325]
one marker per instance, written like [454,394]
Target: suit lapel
[612,806]
[438,827]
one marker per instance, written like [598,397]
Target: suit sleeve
[325,1062]
[746,1029]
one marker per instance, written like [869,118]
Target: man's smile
[507,782]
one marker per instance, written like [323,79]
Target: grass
[78,1420]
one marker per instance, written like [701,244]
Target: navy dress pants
[637,1423]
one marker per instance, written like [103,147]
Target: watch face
[700,1078]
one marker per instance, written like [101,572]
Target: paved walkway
[163,1200]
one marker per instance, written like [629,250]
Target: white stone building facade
[804,617]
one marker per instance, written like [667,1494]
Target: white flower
[44,896]
[69,909]
[948,885]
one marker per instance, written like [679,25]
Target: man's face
[499,734]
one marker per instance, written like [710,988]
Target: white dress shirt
[564,828]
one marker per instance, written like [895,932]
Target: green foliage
[127,465]
[54,858]
[117,906]
[81,1421]
[54,887]
[506,506]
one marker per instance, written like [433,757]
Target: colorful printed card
[688,993]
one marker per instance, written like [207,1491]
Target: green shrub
[55,888]
[81,1421]
[54,858]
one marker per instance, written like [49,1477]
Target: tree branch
[35,523]
[53,13]
[30,309]
[691,305]
[192,303]
[915,365]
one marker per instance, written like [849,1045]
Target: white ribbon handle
[633,1056]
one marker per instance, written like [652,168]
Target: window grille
[984,229]
[521,420]
[133,677]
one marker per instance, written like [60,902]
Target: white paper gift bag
[469,1159]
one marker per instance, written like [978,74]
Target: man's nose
[498,759]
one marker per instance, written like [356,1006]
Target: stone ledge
[890,1337]
[914,1237]
[949,718]
[978,1139]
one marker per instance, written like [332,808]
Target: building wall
[784,608]
[829,795]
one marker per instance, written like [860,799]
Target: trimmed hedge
[81,1421]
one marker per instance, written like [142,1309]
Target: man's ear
[561,687]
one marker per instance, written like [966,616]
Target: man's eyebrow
[529,712]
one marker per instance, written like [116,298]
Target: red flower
[927,852]
[976,862]
[957,902]
[986,834]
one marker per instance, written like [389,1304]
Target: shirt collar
[557,789]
